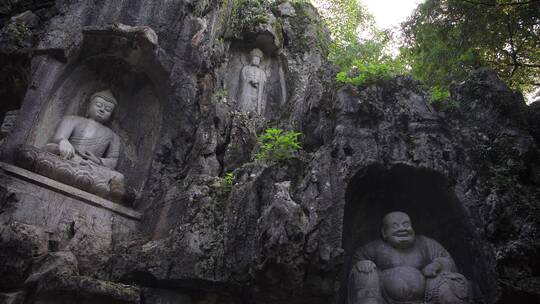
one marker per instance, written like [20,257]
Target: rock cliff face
[467,171]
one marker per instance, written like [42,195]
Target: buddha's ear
[383,235]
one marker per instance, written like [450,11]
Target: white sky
[389,13]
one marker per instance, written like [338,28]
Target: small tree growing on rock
[277,145]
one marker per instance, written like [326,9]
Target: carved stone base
[49,216]
[78,173]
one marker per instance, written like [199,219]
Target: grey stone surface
[20,243]
[284,232]
[68,191]
[286,9]
[46,267]
[62,221]
[160,296]
[79,289]
[26,17]
[12,297]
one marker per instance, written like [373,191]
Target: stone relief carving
[83,152]
[404,268]
[252,83]
[9,121]
[8,124]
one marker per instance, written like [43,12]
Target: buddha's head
[101,106]
[256,57]
[397,230]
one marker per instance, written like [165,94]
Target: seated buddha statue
[404,268]
[85,151]
[89,139]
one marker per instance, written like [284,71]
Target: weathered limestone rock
[70,289]
[20,243]
[26,17]
[46,215]
[12,297]
[283,232]
[286,9]
[62,263]
[165,297]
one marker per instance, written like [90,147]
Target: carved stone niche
[434,210]
[121,59]
[269,75]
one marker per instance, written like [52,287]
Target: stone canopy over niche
[432,206]
[120,59]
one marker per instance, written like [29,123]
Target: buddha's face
[397,230]
[100,109]
[255,60]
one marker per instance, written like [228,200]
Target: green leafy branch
[366,73]
[277,145]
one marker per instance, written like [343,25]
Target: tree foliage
[346,19]
[358,42]
[277,145]
[228,180]
[362,73]
[445,39]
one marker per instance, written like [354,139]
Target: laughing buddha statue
[404,268]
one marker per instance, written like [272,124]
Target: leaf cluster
[277,145]
[228,180]
[19,31]
[363,74]
[439,93]
[223,185]
[445,39]
[359,43]
[440,98]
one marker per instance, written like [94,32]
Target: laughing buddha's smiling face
[397,230]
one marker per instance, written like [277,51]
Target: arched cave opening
[136,120]
[428,198]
